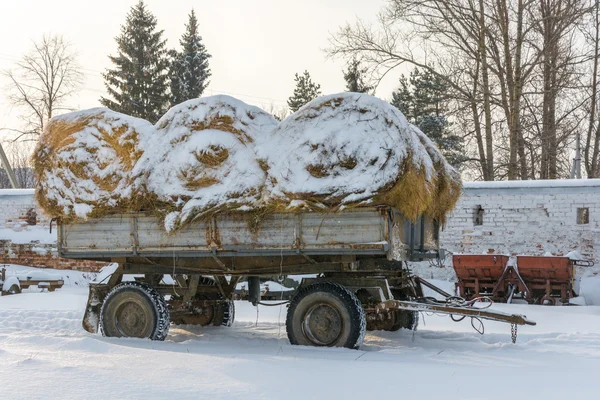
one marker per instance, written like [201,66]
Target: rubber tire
[404,319]
[227,312]
[223,314]
[147,296]
[343,300]
[551,301]
[14,289]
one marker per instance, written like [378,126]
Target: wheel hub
[131,320]
[323,325]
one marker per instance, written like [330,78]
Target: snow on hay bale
[351,149]
[205,160]
[83,163]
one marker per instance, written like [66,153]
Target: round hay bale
[205,160]
[448,180]
[349,149]
[83,163]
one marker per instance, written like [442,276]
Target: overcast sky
[256,45]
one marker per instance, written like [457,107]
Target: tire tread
[355,308]
[156,299]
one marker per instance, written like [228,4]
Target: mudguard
[91,318]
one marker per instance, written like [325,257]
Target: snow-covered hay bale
[448,181]
[350,149]
[83,163]
[205,161]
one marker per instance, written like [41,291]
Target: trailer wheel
[225,314]
[404,319]
[13,289]
[218,314]
[11,285]
[548,301]
[326,314]
[396,320]
[134,309]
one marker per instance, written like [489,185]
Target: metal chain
[513,332]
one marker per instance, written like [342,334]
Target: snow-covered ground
[44,353]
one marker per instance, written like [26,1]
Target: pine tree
[305,91]
[423,99]
[402,98]
[189,71]
[354,78]
[138,83]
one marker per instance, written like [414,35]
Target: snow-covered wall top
[526,217]
[548,183]
[16,192]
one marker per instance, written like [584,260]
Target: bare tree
[512,65]
[451,35]
[18,155]
[279,112]
[41,82]
[508,35]
[556,27]
[592,139]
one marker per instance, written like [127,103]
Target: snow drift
[203,160]
[83,163]
[351,149]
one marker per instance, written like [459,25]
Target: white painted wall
[526,217]
[15,202]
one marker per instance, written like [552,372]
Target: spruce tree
[138,82]
[189,71]
[423,99]
[402,98]
[305,91]
[354,78]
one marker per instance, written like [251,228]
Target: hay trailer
[358,258]
[536,279]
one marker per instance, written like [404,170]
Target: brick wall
[42,256]
[526,217]
[32,253]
